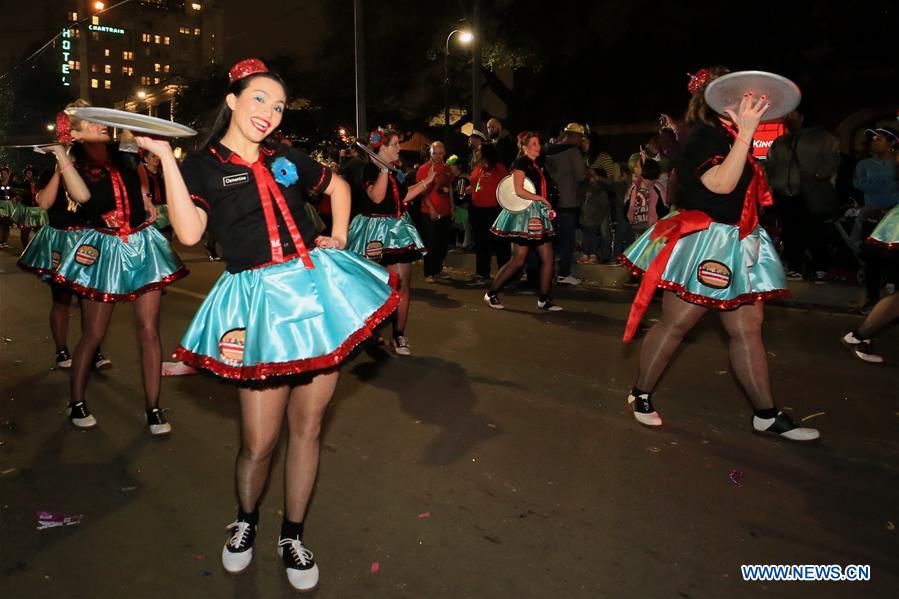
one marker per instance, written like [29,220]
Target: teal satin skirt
[279,321]
[714,267]
[32,217]
[886,233]
[7,209]
[108,268]
[528,226]
[385,239]
[45,252]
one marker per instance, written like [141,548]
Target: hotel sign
[106,29]
[66,53]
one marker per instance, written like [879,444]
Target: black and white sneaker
[860,348]
[492,300]
[302,571]
[101,361]
[238,550]
[783,426]
[63,359]
[548,305]
[157,422]
[80,415]
[644,412]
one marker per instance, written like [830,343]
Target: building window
[107,84]
[95,20]
[196,6]
[197,31]
[146,51]
[93,68]
[106,52]
[95,36]
[107,69]
[95,84]
[157,39]
[155,80]
[73,16]
[166,68]
[184,30]
[128,55]
[145,37]
[145,81]
[128,71]
[157,67]
[166,40]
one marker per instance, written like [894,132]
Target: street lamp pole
[466,37]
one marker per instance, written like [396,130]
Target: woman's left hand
[330,243]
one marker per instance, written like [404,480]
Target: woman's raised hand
[158,146]
[749,114]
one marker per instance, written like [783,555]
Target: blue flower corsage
[285,172]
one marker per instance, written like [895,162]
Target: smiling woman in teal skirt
[290,308]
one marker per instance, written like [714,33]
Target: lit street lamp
[465,37]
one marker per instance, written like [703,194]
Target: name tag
[232,180]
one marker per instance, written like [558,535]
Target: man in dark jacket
[566,164]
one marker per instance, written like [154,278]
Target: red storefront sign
[765,136]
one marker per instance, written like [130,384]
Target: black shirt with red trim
[101,210]
[396,191]
[533,170]
[58,215]
[703,148]
[228,192]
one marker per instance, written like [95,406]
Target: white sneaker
[568,280]
[783,426]
[644,412]
[238,550]
[157,422]
[81,416]
[548,305]
[401,346]
[492,300]
[302,571]
[860,348]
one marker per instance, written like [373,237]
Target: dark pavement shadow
[413,380]
[433,297]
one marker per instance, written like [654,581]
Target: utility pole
[361,125]
[476,66]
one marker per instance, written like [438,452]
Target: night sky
[601,62]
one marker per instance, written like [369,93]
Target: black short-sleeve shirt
[396,192]
[533,171]
[99,181]
[703,148]
[227,191]
[156,185]
[58,215]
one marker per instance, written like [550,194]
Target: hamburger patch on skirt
[231,346]
[86,255]
[714,274]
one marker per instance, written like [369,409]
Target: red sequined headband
[245,68]
[698,81]
[63,128]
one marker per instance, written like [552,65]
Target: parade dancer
[120,258]
[886,310]
[529,229]
[7,206]
[156,191]
[29,217]
[712,254]
[65,228]
[282,318]
[383,231]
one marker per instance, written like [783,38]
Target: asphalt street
[500,460]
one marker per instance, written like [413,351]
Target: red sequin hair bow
[245,68]
[63,128]
[698,81]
